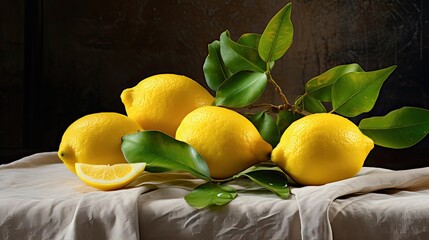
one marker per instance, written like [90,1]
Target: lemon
[160,102]
[109,177]
[96,139]
[322,148]
[227,141]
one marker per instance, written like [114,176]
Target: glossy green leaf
[313,106]
[163,153]
[285,118]
[241,89]
[215,71]
[267,127]
[239,57]
[310,104]
[277,36]
[210,194]
[356,92]
[250,40]
[271,178]
[320,87]
[401,128]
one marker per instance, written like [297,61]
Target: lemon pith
[109,177]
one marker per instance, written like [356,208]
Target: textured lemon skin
[322,148]
[160,102]
[228,141]
[96,139]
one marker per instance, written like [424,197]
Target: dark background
[60,60]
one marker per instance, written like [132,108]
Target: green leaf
[271,178]
[310,104]
[210,194]
[285,118]
[267,127]
[401,128]
[239,57]
[215,71]
[356,92]
[277,36]
[320,86]
[250,40]
[163,153]
[241,89]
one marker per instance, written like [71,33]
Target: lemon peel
[322,148]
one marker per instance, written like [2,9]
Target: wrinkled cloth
[41,199]
[405,192]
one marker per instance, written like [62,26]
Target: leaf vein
[356,93]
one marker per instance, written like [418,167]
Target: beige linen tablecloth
[41,199]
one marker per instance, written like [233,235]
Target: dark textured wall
[91,50]
[11,73]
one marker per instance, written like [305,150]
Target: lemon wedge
[109,177]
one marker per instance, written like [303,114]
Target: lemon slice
[109,177]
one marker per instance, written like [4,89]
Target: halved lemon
[109,177]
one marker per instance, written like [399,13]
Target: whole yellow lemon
[227,141]
[160,102]
[322,148]
[96,139]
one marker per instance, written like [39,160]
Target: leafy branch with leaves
[239,72]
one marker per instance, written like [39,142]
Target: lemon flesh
[322,148]
[109,177]
[160,102]
[228,141]
[96,139]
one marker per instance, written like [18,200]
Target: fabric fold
[314,201]
[106,215]
[41,199]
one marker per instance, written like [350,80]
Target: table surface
[41,199]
